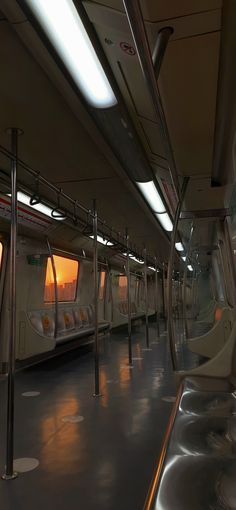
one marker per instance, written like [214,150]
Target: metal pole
[146,297]
[156,300]
[185,280]
[55,287]
[224,257]
[163,293]
[111,294]
[137,27]
[10,474]
[224,279]
[163,37]
[128,299]
[95,275]
[170,323]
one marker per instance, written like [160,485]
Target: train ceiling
[60,138]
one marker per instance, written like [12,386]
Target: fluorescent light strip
[62,24]
[132,257]
[183,258]
[190,268]
[102,240]
[179,247]
[139,261]
[150,193]
[44,209]
[165,221]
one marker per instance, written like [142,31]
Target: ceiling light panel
[62,24]
[165,221]
[150,193]
[102,240]
[179,247]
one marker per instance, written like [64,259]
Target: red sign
[127,48]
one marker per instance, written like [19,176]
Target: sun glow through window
[66,277]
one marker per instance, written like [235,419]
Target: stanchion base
[96,395]
[10,477]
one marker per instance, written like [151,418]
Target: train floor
[92,453]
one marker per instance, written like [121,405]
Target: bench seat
[73,322]
[197,467]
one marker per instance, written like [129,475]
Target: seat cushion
[84,318]
[60,321]
[48,323]
[69,319]
[36,321]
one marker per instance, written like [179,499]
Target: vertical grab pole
[9,472]
[156,300]
[163,294]
[95,275]
[128,299]
[54,272]
[146,297]
[170,322]
[185,280]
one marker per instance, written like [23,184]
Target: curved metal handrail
[150,502]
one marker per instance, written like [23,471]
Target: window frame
[58,254]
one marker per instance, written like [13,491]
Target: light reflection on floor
[98,462]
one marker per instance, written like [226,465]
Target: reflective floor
[93,453]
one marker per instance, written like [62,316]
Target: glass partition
[198,288]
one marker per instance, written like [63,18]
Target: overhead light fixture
[132,257]
[190,268]
[150,193]
[179,247]
[153,198]
[183,258]
[44,209]
[165,221]
[139,261]
[102,240]
[152,268]
[61,22]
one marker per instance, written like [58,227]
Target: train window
[102,281]
[66,275]
[122,292]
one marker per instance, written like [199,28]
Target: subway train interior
[118,254]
